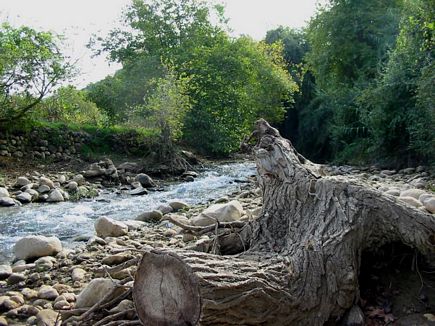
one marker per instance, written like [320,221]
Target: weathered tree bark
[305,253]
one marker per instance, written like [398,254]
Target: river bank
[70,281]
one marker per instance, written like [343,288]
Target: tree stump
[304,257]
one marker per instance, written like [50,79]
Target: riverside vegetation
[353,87]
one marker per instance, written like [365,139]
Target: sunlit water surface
[68,220]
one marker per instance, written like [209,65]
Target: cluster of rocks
[36,187]
[407,185]
[43,143]
[39,188]
[46,280]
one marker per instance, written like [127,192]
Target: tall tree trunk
[305,254]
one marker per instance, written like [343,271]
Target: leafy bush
[69,105]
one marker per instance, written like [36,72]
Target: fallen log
[304,257]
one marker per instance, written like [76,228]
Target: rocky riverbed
[48,282]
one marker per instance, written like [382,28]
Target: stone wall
[42,143]
[45,143]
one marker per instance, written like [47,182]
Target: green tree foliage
[399,108]
[302,121]
[69,105]
[163,28]
[31,64]
[232,84]
[118,94]
[164,108]
[349,44]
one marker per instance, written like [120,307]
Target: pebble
[78,274]
[429,204]
[115,259]
[15,278]
[29,294]
[5,271]
[47,292]
[411,201]
[47,317]
[22,268]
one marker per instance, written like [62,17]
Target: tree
[31,64]
[301,120]
[349,44]
[69,105]
[164,28]
[117,95]
[232,84]
[164,109]
[398,108]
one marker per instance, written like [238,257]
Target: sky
[77,20]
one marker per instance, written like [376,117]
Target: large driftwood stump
[305,254]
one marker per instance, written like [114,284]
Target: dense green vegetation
[366,91]
[31,64]
[229,82]
[356,85]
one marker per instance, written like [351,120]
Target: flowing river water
[69,220]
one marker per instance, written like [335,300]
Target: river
[68,220]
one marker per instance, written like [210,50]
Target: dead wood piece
[200,230]
[112,295]
[116,317]
[112,270]
[304,256]
[124,323]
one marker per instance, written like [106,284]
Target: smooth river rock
[150,217]
[411,201]
[107,227]
[94,292]
[34,246]
[414,193]
[55,196]
[4,192]
[227,212]
[429,204]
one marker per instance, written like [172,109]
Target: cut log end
[166,291]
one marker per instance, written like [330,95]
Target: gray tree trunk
[305,253]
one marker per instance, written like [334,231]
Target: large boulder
[414,193]
[104,168]
[4,192]
[24,197]
[55,196]
[130,167]
[7,202]
[34,246]
[47,317]
[429,204]
[107,227]
[94,292]
[178,205]
[150,217]
[145,180]
[21,181]
[227,212]
[47,182]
